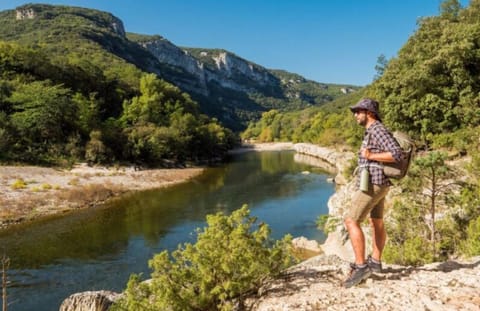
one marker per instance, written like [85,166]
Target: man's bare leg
[357,239]
[379,237]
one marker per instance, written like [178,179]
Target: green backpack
[399,169]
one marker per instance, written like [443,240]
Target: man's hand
[365,153]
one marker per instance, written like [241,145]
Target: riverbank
[32,192]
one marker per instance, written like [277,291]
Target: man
[378,146]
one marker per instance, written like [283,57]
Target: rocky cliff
[315,284]
[208,67]
[39,11]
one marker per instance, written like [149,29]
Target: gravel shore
[31,192]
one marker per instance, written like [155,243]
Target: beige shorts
[372,202]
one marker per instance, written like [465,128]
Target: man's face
[361,117]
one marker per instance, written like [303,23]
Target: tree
[450,9]
[432,87]
[95,150]
[42,112]
[471,245]
[380,67]
[434,179]
[233,255]
[158,100]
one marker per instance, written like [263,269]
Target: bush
[411,252]
[471,246]
[18,184]
[231,258]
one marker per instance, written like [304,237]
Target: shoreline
[30,193]
[33,192]
[277,146]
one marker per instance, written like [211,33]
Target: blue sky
[329,41]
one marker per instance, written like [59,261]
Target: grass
[89,194]
[74,182]
[18,184]
[46,186]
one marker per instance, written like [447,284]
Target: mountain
[226,86]
[234,89]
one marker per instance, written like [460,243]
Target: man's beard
[362,121]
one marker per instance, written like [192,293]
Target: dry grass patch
[74,181]
[89,194]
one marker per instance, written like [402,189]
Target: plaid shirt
[378,139]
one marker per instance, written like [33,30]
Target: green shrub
[233,255]
[471,246]
[411,252]
[327,223]
[18,184]
[46,186]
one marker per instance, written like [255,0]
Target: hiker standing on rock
[378,146]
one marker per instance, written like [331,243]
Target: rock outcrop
[168,53]
[211,69]
[315,284]
[340,160]
[27,13]
[90,301]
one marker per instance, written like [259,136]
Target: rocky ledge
[316,284]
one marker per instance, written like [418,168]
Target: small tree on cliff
[434,177]
[233,255]
[429,183]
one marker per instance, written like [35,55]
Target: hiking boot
[375,266]
[357,275]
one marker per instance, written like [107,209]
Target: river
[99,248]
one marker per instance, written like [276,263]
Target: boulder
[90,301]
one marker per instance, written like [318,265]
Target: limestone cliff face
[219,68]
[32,11]
[170,54]
[230,69]
[117,27]
[26,13]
